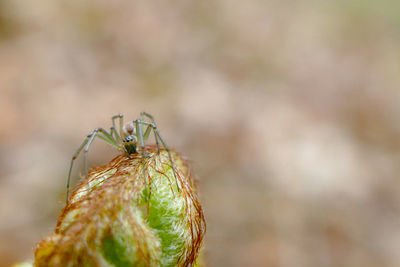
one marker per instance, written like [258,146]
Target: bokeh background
[289,111]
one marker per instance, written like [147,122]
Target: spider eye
[129,139]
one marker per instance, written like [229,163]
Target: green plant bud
[133,211]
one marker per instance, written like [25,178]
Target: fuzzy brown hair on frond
[133,211]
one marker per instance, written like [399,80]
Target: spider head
[129,143]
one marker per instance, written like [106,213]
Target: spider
[129,139]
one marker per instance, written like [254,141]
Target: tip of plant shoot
[141,210]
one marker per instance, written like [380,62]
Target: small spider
[129,138]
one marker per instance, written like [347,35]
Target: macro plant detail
[129,139]
[140,209]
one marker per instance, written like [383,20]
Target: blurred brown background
[288,109]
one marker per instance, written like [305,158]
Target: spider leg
[154,126]
[145,136]
[151,126]
[145,114]
[74,157]
[139,133]
[146,133]
[99,132]
[157,134]
[118,135]
[114,133]
[108,138]
[121,123]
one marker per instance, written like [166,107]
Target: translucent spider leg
[142,138]
[158,136]
[120,126]
[144,114]
[114,132]
[102,134]
[157,133]
[139,133]
[75,155]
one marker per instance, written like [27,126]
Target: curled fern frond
[129,212]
